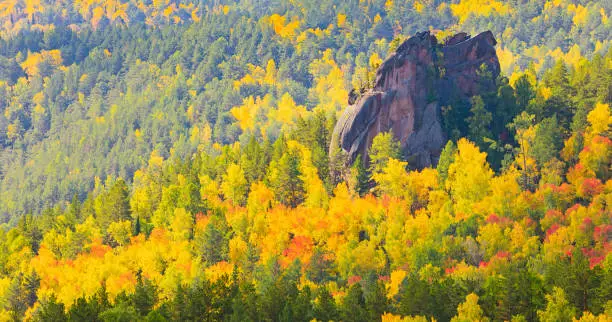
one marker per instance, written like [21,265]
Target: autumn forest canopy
[171,160]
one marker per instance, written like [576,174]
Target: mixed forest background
[169,160]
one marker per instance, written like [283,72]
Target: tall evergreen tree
[285,179]
[354,305]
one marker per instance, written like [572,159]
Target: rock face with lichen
[411,87]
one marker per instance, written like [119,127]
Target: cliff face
[410,88]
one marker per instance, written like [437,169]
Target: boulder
[410,88]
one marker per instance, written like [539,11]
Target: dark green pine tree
[416,298]
[353,306]
[119,201]
[179,303]
[506,108]
[479,123]
[213,242]
[548,141]
[137,227]
[496,300]
[75,208]
[285,179]
[145,295]
[253,161]
[325,307]
[524,93]
[52,311]
[559,103]
[83,310]
[245,305]
[376,298]
[121,312]
[302,305]
[17,302]
[361,177]
[115,204]
[29,228]
[526,290]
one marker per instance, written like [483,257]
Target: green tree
[479,123]
[416,297]
[285,179]
[353,306]
[253,161]
[558,309]
[234,186]
[22,294]
[376,298]
[75,208]
[119,313]
[145,295]
[83,310]
[559,103]
[524,92]
[580,283]
[245,305]
[325,307]
[52,311]
[359,178]
[384,147]
[213,242]
[547,142]
[447,157]
[114,204]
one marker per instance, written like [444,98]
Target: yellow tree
[525,135]
[10,8]
[393,180]
[468,176]
[599,119]
[121,231]
[287,112]
[182,224]
[234,186]
[32,7]
[31,64]
[469,311]
[464,8]
[328,91]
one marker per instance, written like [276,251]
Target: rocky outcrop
[410,88]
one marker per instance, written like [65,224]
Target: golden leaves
[464,8]
[395,281]
[580,14]
[468,176]
[599,119]
[341,20]
[32,62]
[329,90]
[281,27]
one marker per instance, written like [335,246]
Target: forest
[168,160]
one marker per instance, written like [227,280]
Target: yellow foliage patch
[282,27]
[418,6]
[479,8]
[341,20]
[30,65]
[580,14]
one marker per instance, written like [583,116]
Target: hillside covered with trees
[168,160]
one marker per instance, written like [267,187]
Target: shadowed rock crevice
[411,87]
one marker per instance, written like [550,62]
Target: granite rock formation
[411,87]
